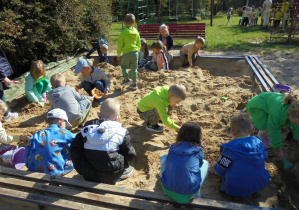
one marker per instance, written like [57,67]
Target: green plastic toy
[224,98]
[286,164]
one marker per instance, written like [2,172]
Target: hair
[163,27]
[144,43]
[53,120]
[190,132]
[3,107]
[200,40]
[294,108]
[110,108]
[37,69]
[242,124]
[57,80]
[178,90]
[104,46]
[244,8]
[129,19]
[157,45]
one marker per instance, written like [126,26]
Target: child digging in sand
[48,150]
[153,107]
[159,60]
[102,150]
[102,48]
[65,97]
[183,170]
[189,51]
[241,163]
[129,45]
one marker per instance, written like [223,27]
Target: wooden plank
[80,195]
[29,200]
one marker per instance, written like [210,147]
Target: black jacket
[169,41]
[96,164]
[5,70]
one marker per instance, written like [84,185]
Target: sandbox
[212,79]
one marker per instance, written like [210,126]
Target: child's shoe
[4,148]
[126,82]
[101,100]
[134,86]
[155,128]
[127,172]
[10,116]
[44,96]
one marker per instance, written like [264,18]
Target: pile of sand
[203,106]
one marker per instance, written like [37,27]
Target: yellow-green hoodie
[128,41]
[158,99]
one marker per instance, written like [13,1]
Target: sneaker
[4,148]
[126,82]
[44,96]
[155,128]
[10,116]
[127,172]
[43,100]
[134,86]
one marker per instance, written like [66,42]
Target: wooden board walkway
[23,189]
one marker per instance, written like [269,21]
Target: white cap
[59,114]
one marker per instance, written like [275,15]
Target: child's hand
[23,139]
[118,58]
[91,99]
[191,66]
[6,81]
[105,94]
[178,129]
[174,106]
[152,65]
[211,168]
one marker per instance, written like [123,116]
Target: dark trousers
[88,86]
[245,21]
[276,23]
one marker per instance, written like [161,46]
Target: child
[183,170]
[101,151]
[153,107]
[65,97]
[241,21]
[129,45]
[37,83]
[48,150]
[252,16]
[91,78]
[241,163]
[246,17]
[167,41]
[273,111]
[102,48]
[190,51]
[143,55]
[277,18]
[5,139]
[286,17]
[257,14]
[159,60]
[229,14]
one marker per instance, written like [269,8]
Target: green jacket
[128,41]
[30,88]
[158,99]
[269,112]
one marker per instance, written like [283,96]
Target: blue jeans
[148,66]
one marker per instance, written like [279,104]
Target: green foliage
[49,29]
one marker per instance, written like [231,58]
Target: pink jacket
[160,59]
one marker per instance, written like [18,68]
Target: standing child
[183,170]
[270,112]
[167,41]
[143,56]
[286,18]
[229,14]
[277,18]
[102,48]
[159,60]
[257,14]
[37,83]
[252,16]
[189,52]
[48,150]
[91,78]
[241,21]
[129,45]
[246,17]
[154,107]
[102,150]
[241,163]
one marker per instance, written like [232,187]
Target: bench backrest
[177,30]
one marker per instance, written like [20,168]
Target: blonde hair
[3,107]
[200,40]
[242,124]
[110,108]
[129,19]
[37,69]
[178,90]
[57,80]
[294,108]
[144,43]
[157,45]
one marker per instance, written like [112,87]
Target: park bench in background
[177,30]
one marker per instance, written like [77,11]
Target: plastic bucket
[281,88]
[14,158]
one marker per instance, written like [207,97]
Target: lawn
[223,37]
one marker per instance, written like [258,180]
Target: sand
[203,105]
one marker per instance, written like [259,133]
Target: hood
[250,148]
[132,32]
[185,148]
[162,91]
[56,93]
[100,134]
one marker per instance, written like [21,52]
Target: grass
[221,37]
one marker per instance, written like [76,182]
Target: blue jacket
[48,151]
[182,174]
[5,68]
[97,47]
[242,166]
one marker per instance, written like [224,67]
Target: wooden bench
[24,190]
[177,30]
